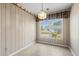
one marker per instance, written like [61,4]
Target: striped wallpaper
[17,28]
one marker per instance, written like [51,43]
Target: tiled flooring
[44,50]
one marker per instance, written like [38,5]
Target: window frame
[50,37]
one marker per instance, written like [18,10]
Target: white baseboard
[53,44]
[72,52]
[31,43]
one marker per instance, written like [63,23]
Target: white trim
[72,52]
[31,43]
[52,44]
[61,45]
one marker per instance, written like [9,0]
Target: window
[51,28]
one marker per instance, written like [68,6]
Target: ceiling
[35,8]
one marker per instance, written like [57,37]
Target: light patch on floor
[44,50]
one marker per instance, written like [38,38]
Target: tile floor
[44,50]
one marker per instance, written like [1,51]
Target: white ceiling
[35,8]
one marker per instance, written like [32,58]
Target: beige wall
[17,28]
[74,29]
[66,31]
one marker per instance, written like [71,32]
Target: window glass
[51,28]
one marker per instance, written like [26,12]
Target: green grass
[45,33]
[54,34]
